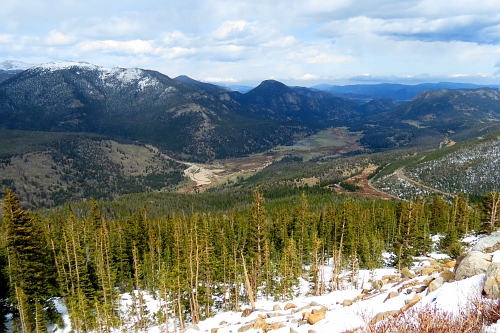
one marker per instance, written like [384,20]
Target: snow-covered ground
[346,309]
[339,318]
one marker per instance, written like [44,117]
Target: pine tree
[30,268]
[491,211]
[258,225]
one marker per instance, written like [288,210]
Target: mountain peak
[271,87]
[58,65]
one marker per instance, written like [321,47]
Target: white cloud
[175,37]
[178,52]
[221,79]
[324,58]
[283,42]
[233,29]
[408,26]
[55,38]
[132,46]
[4,38]
[255,39]
[307,77]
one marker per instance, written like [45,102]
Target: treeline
[197,263]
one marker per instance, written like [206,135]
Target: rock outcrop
[491,287]
[471,264]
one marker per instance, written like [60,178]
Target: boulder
[377,284]
[245,328]
[429,270]
[323,310]
[289,306]
[490,243]
[273,315]
[411,303]
[407,273]
[428,281]
[448,276]
[391,278]
[347,302]
[259,323]
[471,264]
[277,325]
[491,286]
[392,294]
[449,264]
[436,284]
[214,330]
[276,307]
[246,312]
[420,289]
[315,317]
[292,330]
[301,323]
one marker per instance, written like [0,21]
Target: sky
[298,42]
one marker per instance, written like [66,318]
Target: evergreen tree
[491,211]
[30,266]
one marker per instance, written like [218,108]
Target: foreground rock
[246,312]
[488,244]
[491,287]
[436,284]
[471,264]
[316,315]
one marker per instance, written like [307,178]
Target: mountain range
[199,121]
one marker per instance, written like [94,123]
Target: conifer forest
[197,263]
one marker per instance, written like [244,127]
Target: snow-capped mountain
[137,104]
[9,68]
[13,65]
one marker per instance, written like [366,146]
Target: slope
[185,120]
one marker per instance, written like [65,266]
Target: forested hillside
[198,263]
[470,168]
[50,169]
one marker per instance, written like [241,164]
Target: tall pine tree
[30,270]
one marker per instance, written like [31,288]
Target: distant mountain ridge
[204,85]
[9,68]
[188,120]
[193,120]
[450,108]
[394,91]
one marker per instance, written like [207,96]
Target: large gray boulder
[471,264]
[491,286]
[489,243]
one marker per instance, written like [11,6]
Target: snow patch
[59,65]
[13,65]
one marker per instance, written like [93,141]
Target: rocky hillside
[471,168]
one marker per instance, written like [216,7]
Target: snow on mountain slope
[58,65]
[339,318]
[13,65]
[108,76]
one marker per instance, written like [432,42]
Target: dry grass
[479,314]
